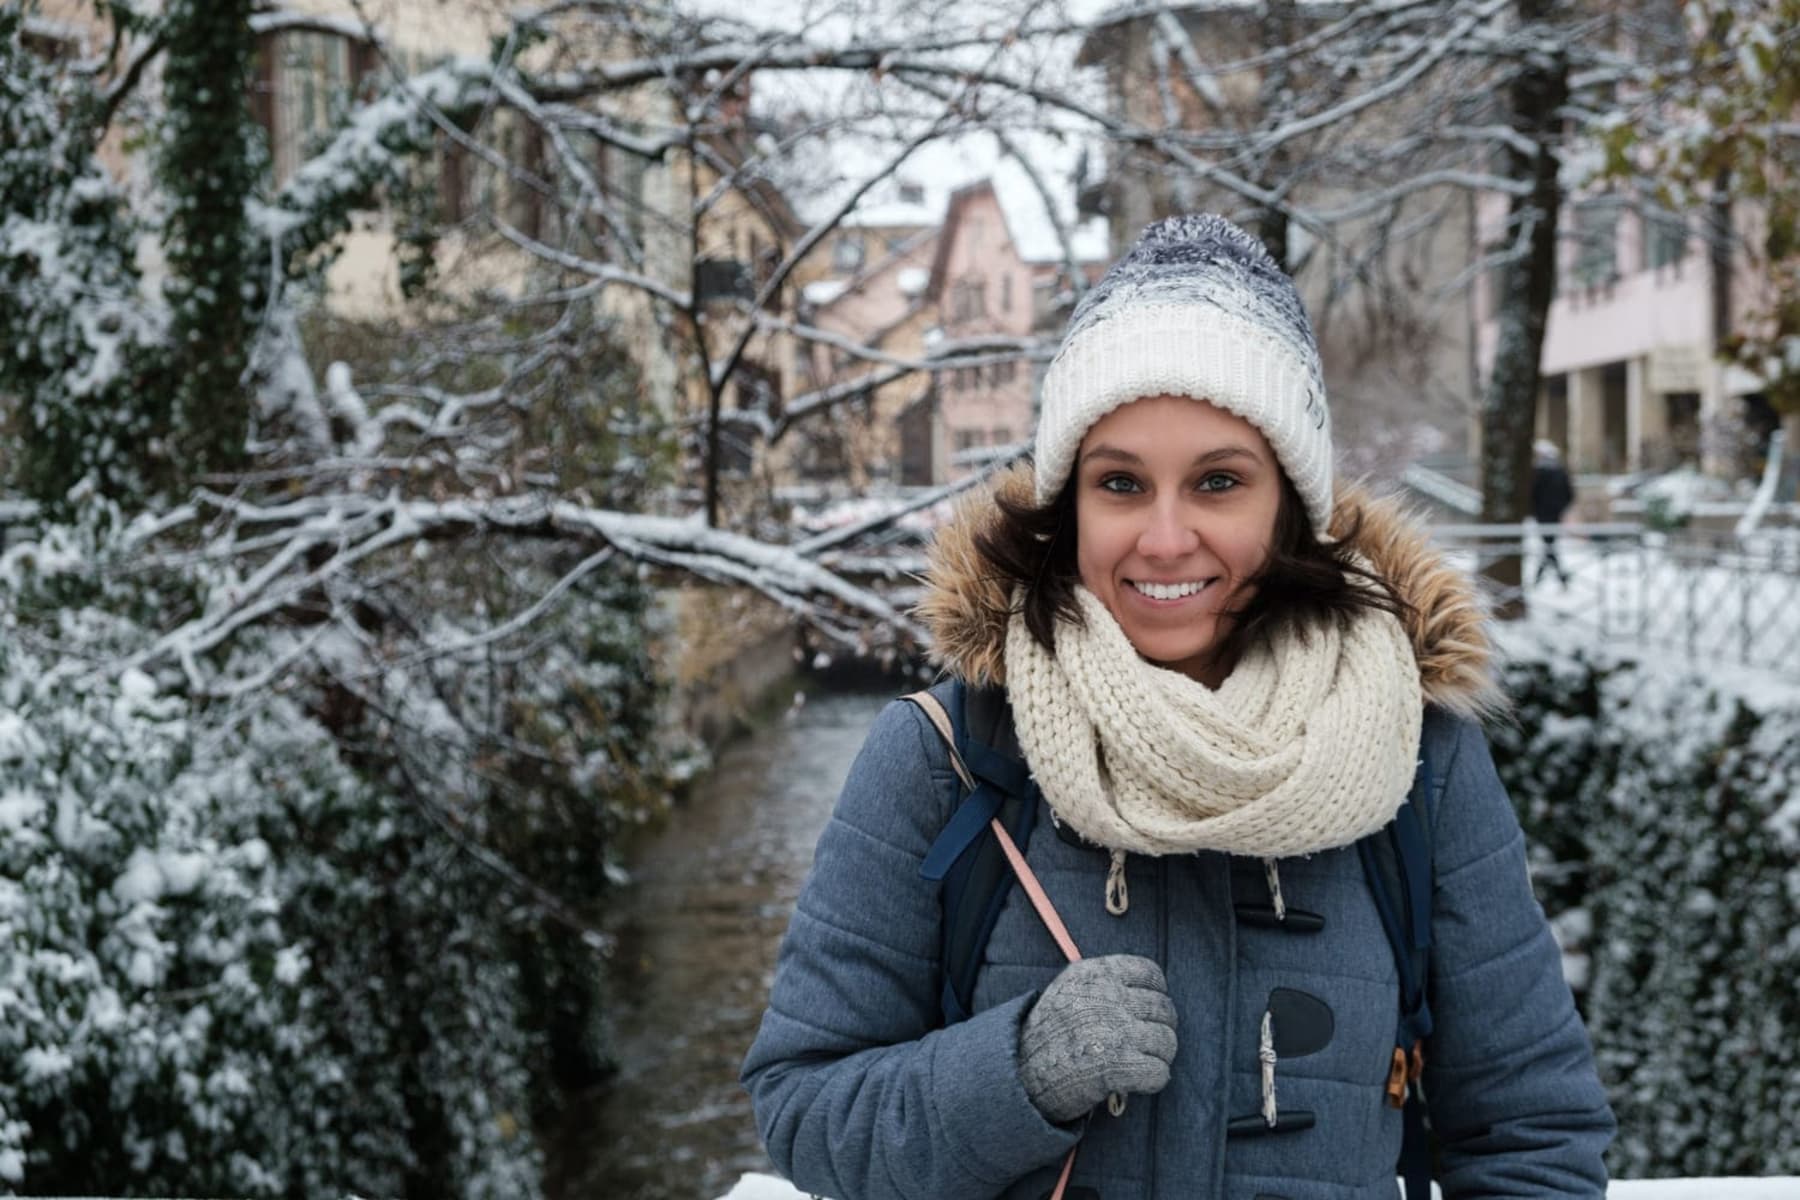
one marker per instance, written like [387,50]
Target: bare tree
[618,161]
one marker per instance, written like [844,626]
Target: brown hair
[1304,584]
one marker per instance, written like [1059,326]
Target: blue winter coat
[860,1094]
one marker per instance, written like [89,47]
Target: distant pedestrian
[1217,683]
[1551,495]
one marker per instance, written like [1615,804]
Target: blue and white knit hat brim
[1197,350]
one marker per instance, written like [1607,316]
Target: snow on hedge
[318,935]
[234,965]
[1662,805]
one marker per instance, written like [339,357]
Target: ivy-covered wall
[1664,816]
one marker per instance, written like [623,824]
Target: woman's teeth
[1168,591]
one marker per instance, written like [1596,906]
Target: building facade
[983,288]
[1632,381]
[871,287]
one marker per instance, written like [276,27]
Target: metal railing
[1715,598]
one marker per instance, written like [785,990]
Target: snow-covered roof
[1090,240]
[939,169]
[824,291]
[1033,234]
[899,213]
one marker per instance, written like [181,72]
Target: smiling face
[1175,507]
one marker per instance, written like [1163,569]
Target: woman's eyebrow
[1116,454]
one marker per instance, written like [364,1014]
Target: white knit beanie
[1196,307]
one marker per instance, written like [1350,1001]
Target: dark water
[697,934]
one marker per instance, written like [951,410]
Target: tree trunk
[209,166]
[1278,31]
[1718,255]
[1509,408]
[712,454]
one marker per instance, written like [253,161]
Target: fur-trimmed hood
[966,605]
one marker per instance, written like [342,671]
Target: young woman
[1221,676]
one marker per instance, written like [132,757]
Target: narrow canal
[698,930]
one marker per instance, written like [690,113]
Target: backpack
[969,862]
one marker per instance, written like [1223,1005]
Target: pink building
[909,275]
[983,287]
[874,291]
[1631,377]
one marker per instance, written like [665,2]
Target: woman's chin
[1188,658]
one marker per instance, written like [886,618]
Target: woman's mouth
[1168,595]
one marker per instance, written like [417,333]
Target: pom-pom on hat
[1198,308]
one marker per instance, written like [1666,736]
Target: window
[51,40]
[847,253]
[968,299]
[1665,239]
[967,439]
[452,180]
[1597,242]
[1006,293]
[520,201]
[722,279]
[312,94]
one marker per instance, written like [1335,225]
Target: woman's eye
[1119,484]
[1218,482]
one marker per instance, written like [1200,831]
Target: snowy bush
[1664,814]
[83,364]
[287,942]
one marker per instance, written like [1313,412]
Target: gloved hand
[1104,1025]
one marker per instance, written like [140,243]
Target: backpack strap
[977,729]
[1398,863]
[961,895]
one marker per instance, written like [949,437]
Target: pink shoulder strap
[1034,890]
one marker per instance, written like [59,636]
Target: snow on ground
[763,1187]
[1786,1187]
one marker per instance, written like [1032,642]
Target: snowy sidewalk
[1786,1187]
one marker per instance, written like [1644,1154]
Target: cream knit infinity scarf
[1308,745]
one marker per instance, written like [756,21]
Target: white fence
[1715,598]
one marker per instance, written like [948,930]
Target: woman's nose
[1168,535]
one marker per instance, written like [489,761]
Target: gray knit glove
[1104,1025]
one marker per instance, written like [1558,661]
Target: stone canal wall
[728,653]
